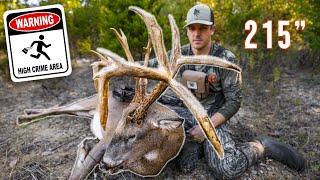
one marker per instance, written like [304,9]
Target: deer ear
[169,124]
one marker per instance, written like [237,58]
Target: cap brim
[199,22]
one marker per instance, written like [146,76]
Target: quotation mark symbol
[299,24]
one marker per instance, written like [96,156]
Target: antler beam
[155,34]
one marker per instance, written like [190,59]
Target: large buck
[143,135]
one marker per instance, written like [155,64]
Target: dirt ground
[288,110]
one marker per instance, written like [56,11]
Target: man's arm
[233,96]
[217,119]
[232,93]
[33,43]
[231,90]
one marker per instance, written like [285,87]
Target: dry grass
[287,110]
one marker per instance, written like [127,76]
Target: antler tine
[124,43]
[96,66]
[208,60]
[148,50]
[137,95]
[122,67]
[155,33]
[199,113]
[102,86]
[102,58]
[102,83]
[176,46]
[113,56]
[143,82]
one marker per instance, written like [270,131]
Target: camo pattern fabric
[225,93]
[237,158]
[225,97]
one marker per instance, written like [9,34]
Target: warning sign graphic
[37,43]
[39,48]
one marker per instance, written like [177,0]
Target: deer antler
[115,65]
[142,83]
[165,73]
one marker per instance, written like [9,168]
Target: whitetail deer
[146,135]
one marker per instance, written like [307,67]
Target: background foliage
[89,24]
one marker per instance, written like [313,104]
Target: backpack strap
[216,53]
[190,67]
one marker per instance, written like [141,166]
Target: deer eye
[132,137]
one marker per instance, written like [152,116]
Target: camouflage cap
[201,14]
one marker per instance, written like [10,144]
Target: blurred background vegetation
[89,23]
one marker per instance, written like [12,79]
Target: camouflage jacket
[225,93]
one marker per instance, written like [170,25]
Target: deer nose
[111,169]
[111,162]
[103,165]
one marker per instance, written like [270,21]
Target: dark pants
[237,158]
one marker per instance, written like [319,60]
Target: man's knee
[228,168]
[231,166]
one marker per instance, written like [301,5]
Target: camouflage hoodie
[225,93]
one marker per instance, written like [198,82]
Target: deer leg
[83,150]
[83,108]
[87,161]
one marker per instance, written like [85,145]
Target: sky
[31,2]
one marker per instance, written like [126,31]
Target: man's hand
[196,133]
[212,78]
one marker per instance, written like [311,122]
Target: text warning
[37,43]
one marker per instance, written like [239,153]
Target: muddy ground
[288,110]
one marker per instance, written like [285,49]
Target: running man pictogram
[39,48]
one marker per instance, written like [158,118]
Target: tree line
[89,23]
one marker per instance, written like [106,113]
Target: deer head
[144,148]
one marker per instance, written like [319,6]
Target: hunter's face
[199,35]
